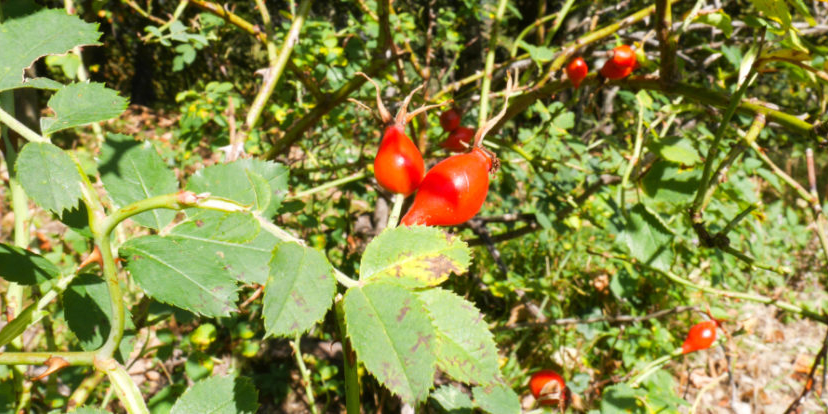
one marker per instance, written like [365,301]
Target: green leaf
[719,20]
[496,399]
[465,348]
[648,238]
[49,176]
[182,272]
[242,180]
[20,323]
[669,183]
[452,399]
[393,336]
[414,256]
[80,104]
[799,6]
[132,171]
[776,10]
[46,32]
[299,290]
[24,267]
[676,149]
[219,395]
[234,238]
[539,54]
[42,83]
[88,313]
[619,398]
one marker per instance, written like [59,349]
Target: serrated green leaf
[132,171]
[667,182]
[719,20]
[648,238]
[49,176]
[414,256]
[496,399]
[20,323]
[42,83]
[538,54]
[452,399]
[465,348]
[24,267]
[46,32]
[80,104]
[234,238]
[299,290]
[241,181]
[88,313]
[182,272]
[392,335]
[219,395]
[676,149]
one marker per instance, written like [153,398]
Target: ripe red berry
[576,71]
[398,167]
[620,64]
[459,140]
[450,120]
[701,336]
[548,387]
[452,191]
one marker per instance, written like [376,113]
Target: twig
[809,382]
[607,319]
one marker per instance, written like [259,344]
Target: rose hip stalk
[454,190]
[398,166]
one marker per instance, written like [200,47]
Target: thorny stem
[490,57]
[639,143]
[330,184]
[24,131]
[352,402]
[277,62]
[809,314]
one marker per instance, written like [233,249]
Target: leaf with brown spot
[398,352]
[415,256]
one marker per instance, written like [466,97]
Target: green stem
[666,42]
[653,367]
[127,391]
[733,223]
[714,146]
[277,62]
[482,115]
[110,273]
[394,217]
[560,18]
[306,377]
[330,184]
[720,292]
[352,402]
[24,131]
[639,143]
[782,270]
[39,358]
[84,390]
[755,128]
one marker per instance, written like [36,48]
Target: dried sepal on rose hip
[549,388]
[453,191]
[398,166]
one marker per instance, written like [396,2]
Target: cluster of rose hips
[549,388]
[620,64]
[452,191]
